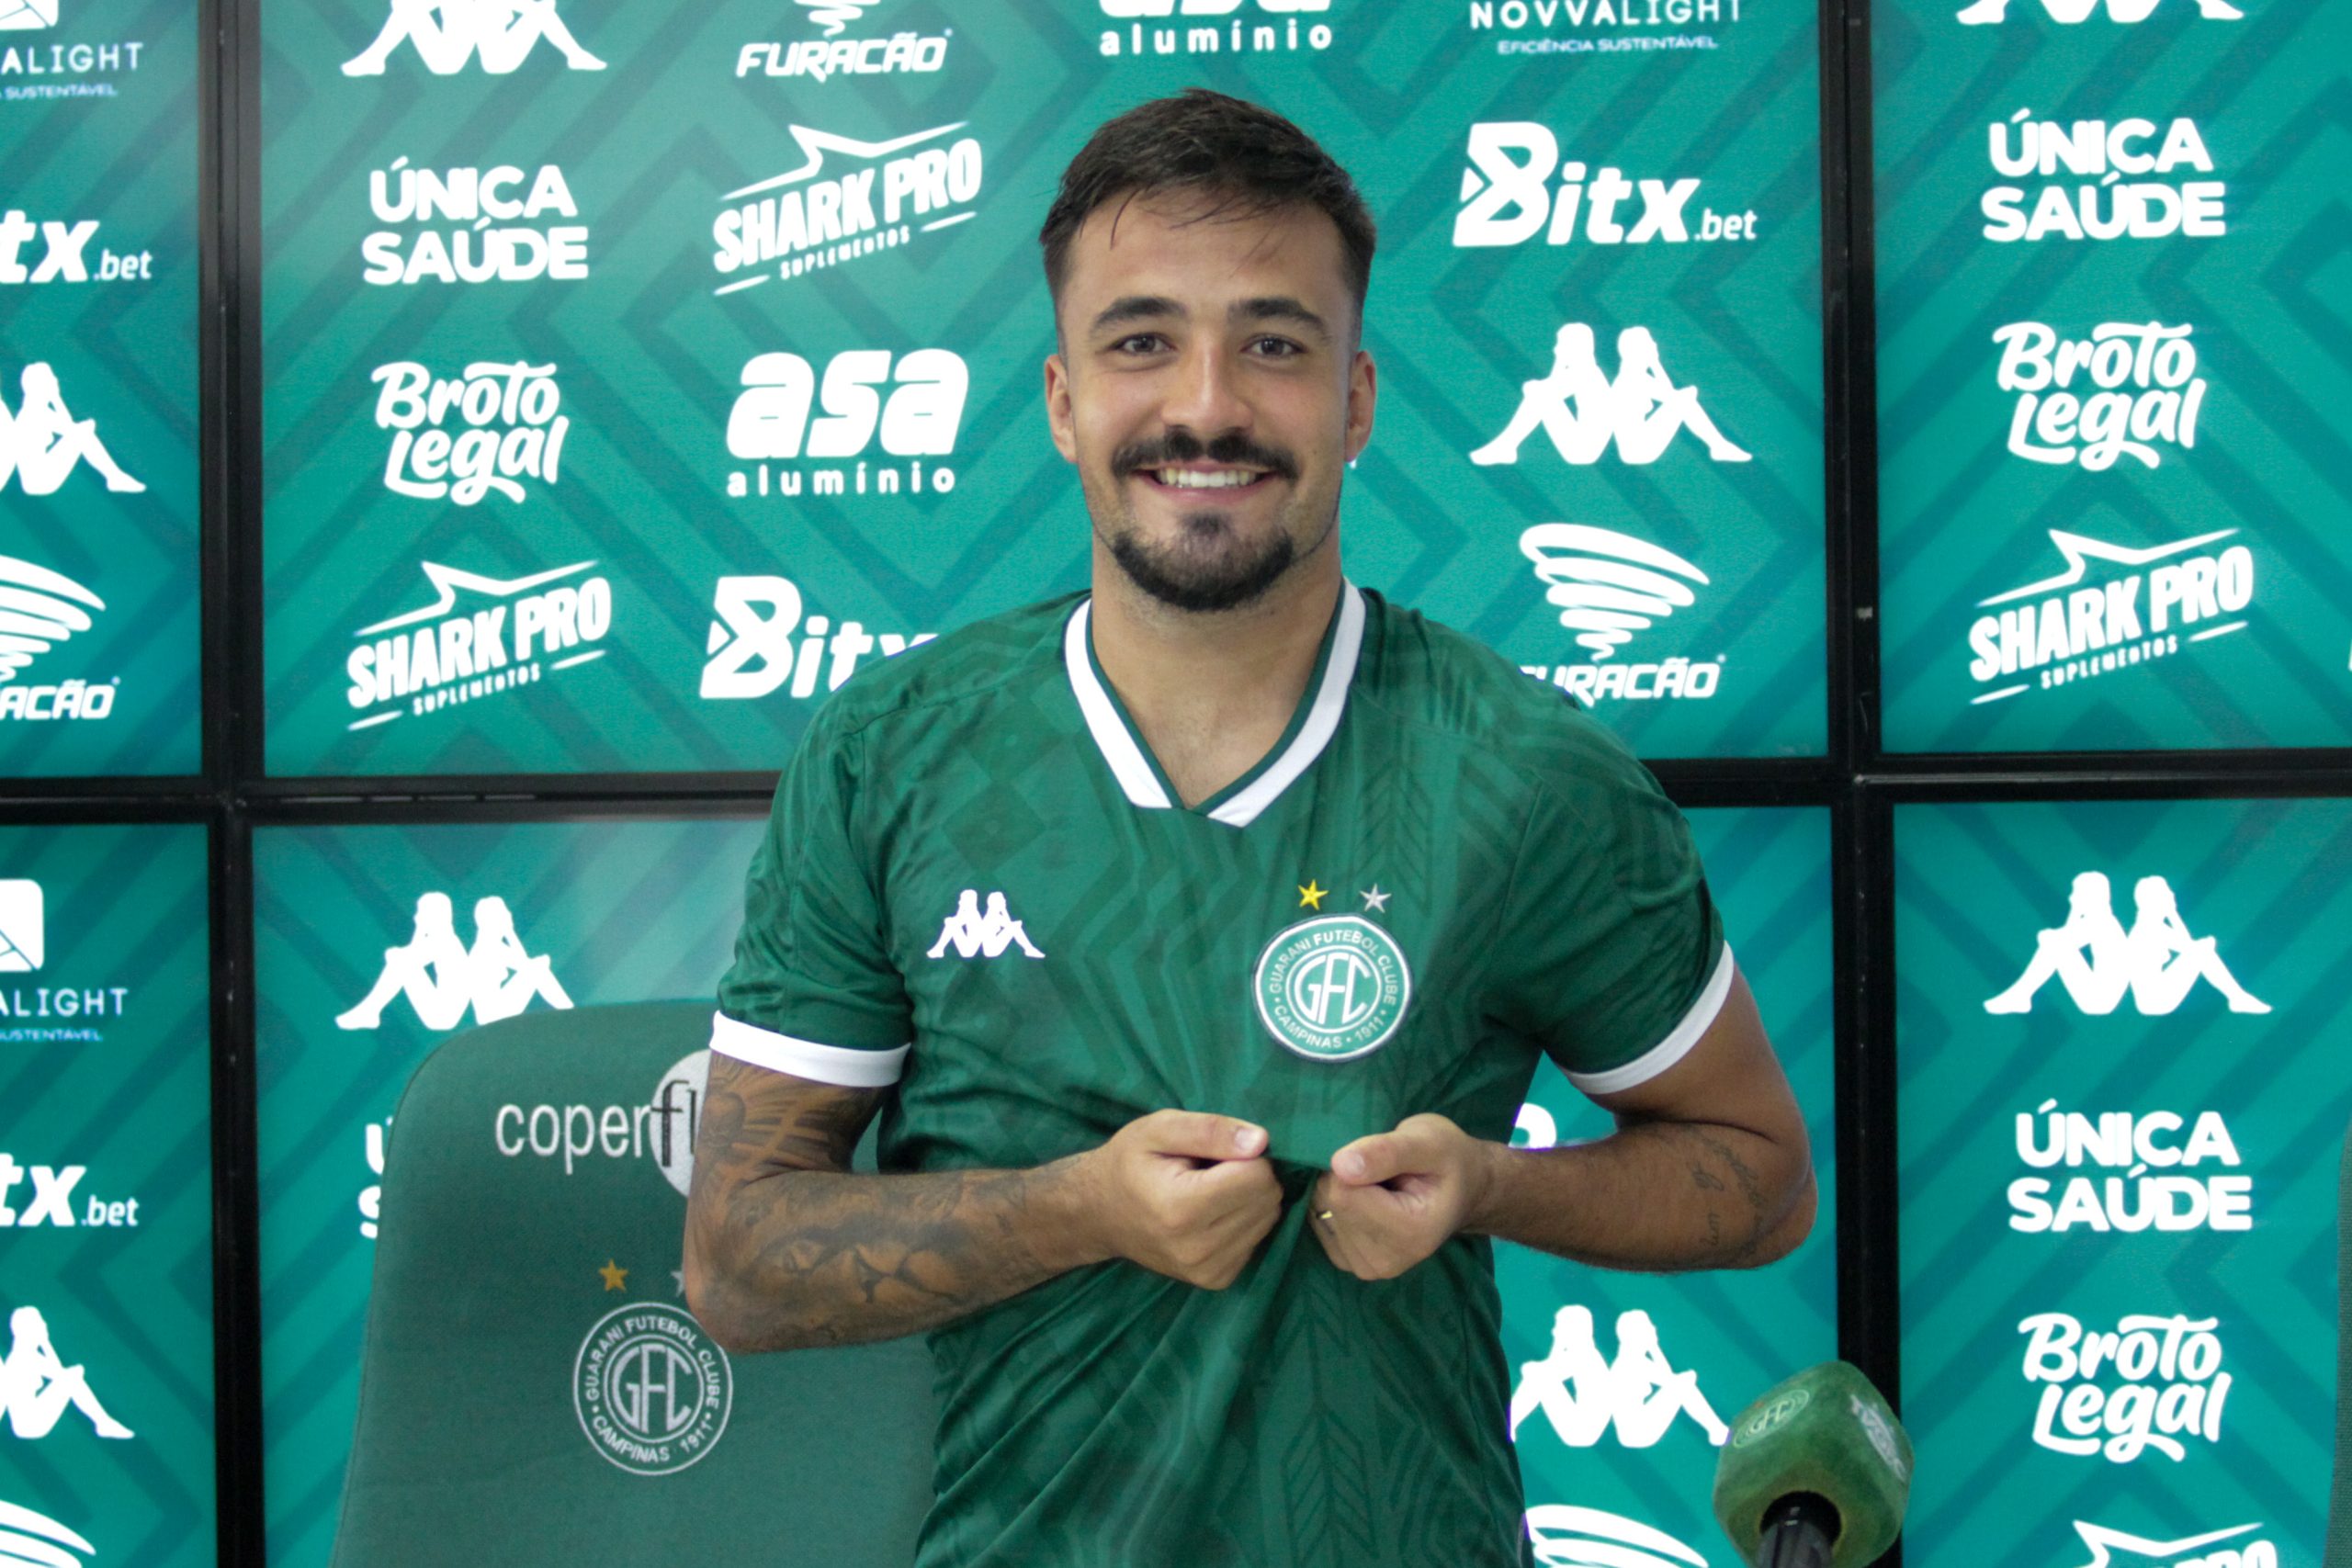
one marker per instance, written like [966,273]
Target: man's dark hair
[1245,159]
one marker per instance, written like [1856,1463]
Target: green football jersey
[978,889]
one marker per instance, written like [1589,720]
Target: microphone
[1816,1474]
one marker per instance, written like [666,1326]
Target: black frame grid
[1860,784]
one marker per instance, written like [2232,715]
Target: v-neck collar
[1240,803]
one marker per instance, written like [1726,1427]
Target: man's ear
[1364,393]
[1059,421]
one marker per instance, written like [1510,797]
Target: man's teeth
[1193,479]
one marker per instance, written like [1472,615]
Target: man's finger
[1201,1135]
[1376,1158]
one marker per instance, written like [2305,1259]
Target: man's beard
[1186,578]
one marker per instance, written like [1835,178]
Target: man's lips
[1197,479]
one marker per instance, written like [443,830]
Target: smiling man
[1196,938]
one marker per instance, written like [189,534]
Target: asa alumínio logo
[42,441]
[1509,198]
[2205,1551]
[818,59]
[55,1543]
[1332,987]
[870,196]
[1566,1535]
[753,652]
[1637,1395]
[1609,587]
[910,404]
[39,1387]
[1588,414]
[464,647]
[652,1392]
[65,252]
[450,35]
[1201,29]
[443,978]
[2101,180]
[2138,386]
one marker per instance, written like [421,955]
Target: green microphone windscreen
[1825,1431]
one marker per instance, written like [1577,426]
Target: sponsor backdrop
[2110,358]
[106,1197]
[1608,1458]
[98,262]
[635,375]
[2120,1041]
[347,920]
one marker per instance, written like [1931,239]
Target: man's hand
[1182,1193]
[1397,1197]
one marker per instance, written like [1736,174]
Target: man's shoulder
[967,671]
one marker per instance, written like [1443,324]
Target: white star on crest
[678,1278]
[1376,901]
[2099,1538]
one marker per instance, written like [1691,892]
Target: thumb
[1371,1159]
[1200,1135]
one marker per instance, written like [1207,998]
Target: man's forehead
[1204,244]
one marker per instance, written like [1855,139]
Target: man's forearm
[1653,1196]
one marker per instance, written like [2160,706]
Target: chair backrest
[534,1389]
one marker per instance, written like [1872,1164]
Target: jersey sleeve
[1611,956]
[813,991]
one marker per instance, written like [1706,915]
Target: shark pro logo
[481,637]
[867,198]
[1609,587]
[819,60]
[2114,608]
[2215,1549]
[1517,187]
[2121,392]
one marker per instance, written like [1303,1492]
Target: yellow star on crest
[615,1277]
[1310,897]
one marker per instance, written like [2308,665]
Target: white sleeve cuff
[804,1058]
[1676,1046]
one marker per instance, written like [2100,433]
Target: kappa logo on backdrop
[508,429]
[37,1386]
[1567,1536]
[2115,199]
[914,401]
[2067,628]
[53,1540]
[2197,1552]
[753,652]
[1639,1395]
[652,1392]
[41,443]
[1507,197]
[494,232]
[458,654]
[914,185]
[2143,387]
[1610,586]
[51,1200]
[1586,414]
[44,609]
[2145,1188]
[65,252]
[975,934]
[1212,26]
[443,978]
[2067,12]
[2171,1390]
[820,59]
[450,35]
[2157,963]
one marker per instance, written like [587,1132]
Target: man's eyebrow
[1278,308]
[1138,307]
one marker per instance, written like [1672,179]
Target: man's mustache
[1181,447]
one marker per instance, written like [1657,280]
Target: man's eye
[1140,343]
[1275,348]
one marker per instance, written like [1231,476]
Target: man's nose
[1204,395]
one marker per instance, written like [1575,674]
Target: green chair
[534,1389]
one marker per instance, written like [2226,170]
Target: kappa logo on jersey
[65,252]
[2114,197]
[914,401]
[493,234]
[824,216]
[976,933]
[2152,1182]
[2067,12]
[52,1202]
[2069,627]
[2141,385]
[1610,586]
[1567,1536]
[1507,197]
[2170,1389]
[38,1387]
[41,443]
[2157,963]
[507,428]
[44,609]
[753,651]
[457,654]
[443,979]
[1333,987]
[450,35]
[1639,1396]
[820,59]
[48,1542]
[652,1391]
[1587,414]
[2196,1552]
[1212,26]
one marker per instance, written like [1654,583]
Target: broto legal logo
[508,429]
[2172,1392]
[2143,388]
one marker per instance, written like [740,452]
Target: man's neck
[1212,693]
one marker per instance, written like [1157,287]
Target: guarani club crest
[1333,987]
